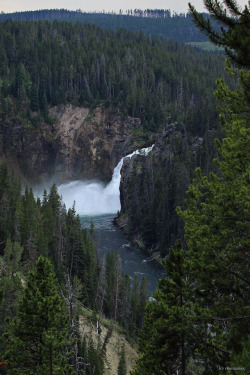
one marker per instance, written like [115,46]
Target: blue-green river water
[98,203]
[134,261]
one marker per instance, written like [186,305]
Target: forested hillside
[41,240]
[152,187]
[198,322]
[44,63]
[157,22]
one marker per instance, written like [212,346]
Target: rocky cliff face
[81,144]
[29,152]
[90,144]
[153,185]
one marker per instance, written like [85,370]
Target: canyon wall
[79,144]
[152,186]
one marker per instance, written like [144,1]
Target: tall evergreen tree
[37,340]
[217,219]
[122,368]
[217,227]
[217,233]
[234,34]
[34,100]
[167,339]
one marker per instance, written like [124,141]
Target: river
[98,203]
[134,261]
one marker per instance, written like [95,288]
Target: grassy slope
[114,345]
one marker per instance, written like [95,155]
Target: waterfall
[96,198]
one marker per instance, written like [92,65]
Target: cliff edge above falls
[153,185]
[80,144]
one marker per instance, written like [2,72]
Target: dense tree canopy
[45,63]
[38,340]
[199,320]
[168,339]
[155,22]
[33,230]
[215,270]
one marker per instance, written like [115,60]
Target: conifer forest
[176,86]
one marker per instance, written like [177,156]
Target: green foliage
[117,299]
[10,284]
[234,33]
[32,227]
[168,339]
[159,183]
[137,75]
[37,341]
[155,22]
[1,295]
[11,259]
[122,368]
[209,284]
[217,227]
[29,228]
[94,359]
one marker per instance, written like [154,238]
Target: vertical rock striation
[80,144]
[152,186]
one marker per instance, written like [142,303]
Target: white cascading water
[96,198]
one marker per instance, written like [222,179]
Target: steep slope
[46,64]
[113,346]
[153,185]
[80,144]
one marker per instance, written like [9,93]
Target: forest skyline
[8,6]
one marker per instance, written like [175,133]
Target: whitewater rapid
[95,198]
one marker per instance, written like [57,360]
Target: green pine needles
[38,340]
[199,321]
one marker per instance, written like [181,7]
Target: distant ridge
[155,22]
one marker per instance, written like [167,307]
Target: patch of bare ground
[113,346]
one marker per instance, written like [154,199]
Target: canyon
[81,147]
[79,144]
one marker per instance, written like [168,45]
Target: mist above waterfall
[96,198]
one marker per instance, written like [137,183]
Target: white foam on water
[96,198]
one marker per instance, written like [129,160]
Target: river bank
[109,237]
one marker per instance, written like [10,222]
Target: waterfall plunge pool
[98,203]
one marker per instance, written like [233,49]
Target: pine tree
[122,368]
[34,99]
[143,297]
[167,339]
[37,340]
[217,220]
[95,359]
[234,34]
[44,104]
[217,233]
[10,282]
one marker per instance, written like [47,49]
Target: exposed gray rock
[81,144]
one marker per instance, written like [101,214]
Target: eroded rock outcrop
[152,186]
[90,144]
[28,151]
[80,144]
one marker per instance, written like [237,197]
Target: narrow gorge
[97,204]
[80,150]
